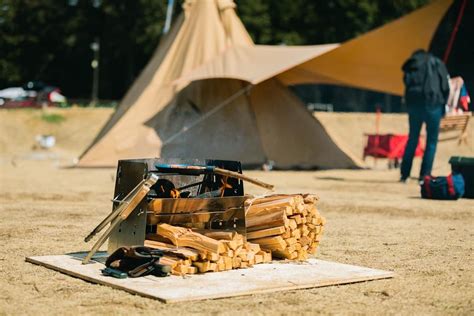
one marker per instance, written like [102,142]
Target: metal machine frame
[225,212]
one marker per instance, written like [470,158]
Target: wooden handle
[240,176]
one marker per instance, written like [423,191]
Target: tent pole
[169,16]
[455,31]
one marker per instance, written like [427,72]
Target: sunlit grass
[53,118]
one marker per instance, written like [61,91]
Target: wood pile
[289,226]
[198,251]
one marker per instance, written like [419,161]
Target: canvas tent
[165,114]
[209,92]
[373,60]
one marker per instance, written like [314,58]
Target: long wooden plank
[452,127]
[450,119]
[266,232]
[262,278]
[192,205]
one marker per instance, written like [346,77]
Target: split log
[271,243]
[253,247]
[185,237]
[205,266]
[192,270]
[292,224]
[266,232]
[219,234]
[236,261]
[262,209]
[228,263]
[269,220]
[186,252]
[276,199]
[230,238]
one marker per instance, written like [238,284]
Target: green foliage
[52,118]
[305,22]
[49,40]
[256,17]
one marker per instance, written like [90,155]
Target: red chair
[389,146]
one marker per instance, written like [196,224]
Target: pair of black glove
[138,261]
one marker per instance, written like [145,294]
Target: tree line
[50,40]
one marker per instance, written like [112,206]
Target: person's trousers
[417,115]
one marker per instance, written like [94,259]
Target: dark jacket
[426,80]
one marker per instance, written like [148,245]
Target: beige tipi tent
[249,117]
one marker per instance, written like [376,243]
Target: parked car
[31,94]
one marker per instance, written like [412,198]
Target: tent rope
[208,114]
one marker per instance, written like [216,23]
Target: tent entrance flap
[206,115]
[211,118]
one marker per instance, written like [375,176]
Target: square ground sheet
[261,278]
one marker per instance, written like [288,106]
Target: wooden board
[191,205]
[262,278]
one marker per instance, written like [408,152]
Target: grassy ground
[371,220]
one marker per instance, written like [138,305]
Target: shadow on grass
[340,179]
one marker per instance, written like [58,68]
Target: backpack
[426,80]
[443,188]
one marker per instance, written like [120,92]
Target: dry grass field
[371,221]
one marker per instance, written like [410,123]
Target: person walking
[426,92]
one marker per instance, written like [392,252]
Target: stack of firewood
[191,251]
[278,226]
[289,226]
